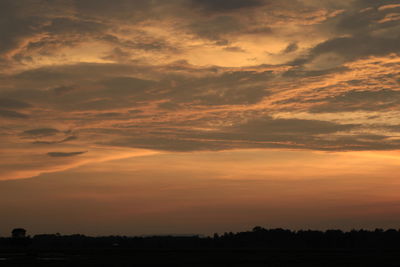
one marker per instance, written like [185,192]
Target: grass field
[199,257]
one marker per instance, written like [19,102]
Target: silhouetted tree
[258,237]
[18,233]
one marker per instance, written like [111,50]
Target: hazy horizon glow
[184,116]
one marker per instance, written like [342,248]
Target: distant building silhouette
[18,233]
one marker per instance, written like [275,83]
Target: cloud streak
[65,154]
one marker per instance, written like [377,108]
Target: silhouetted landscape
[258,247]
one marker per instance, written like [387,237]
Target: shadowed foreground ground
[259,247]
[199,257]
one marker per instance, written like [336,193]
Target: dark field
[198,257]
[258,247]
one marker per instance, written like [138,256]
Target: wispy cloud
[65,154]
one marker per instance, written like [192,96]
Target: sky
[146,117]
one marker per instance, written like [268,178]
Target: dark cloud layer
[67,139]
[226,5]
[41,132]
[261,132]
[360,100]
[65,154]
[13,26]
[358,46]
[13,104]
[294,127]
[188,75]
[12,114]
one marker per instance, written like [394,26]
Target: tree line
[258,237]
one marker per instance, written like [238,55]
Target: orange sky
[206,192]
[207,115]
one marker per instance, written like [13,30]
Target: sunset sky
[144,117]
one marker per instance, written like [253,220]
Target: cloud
[13,28]
[120,9]
[357,47]
[65,154]
[12,114]
[142,41]
[354,35]
[231,87]
[189,75]
[234,49]
[62,90]
[216,28]
[260,132]
[227,5]
[292,47]
[360,100]
[67,139]
[385,7]
[102,87]
[73,26]
[13,104]
[41,132]
[122,86]
[266,126]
